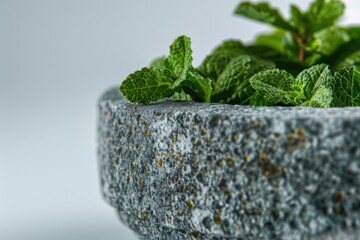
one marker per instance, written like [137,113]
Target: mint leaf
[353,32]
[297,19]
[196,85]
[276,86]
[329,39]
[311,79]
[216,62]
[347,87]
[322,98]
[350,57]
[158,63]
[230,45]
[263,12]
[323,14]
[274,40]
[279,47]
[233,84]
[147,85]
[350,61]
[341,54]
[180,58]
[263,52]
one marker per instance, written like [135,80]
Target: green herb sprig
[308,60]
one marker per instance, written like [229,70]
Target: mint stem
[300,42]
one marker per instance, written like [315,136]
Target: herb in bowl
[308,60]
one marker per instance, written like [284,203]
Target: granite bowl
[180,170]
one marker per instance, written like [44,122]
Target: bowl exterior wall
[209,171]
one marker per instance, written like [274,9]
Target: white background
[56,58]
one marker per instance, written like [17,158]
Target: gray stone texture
[183,170]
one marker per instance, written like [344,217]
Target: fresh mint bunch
[307,60]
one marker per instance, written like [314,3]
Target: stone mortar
[184,170]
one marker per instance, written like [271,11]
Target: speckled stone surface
[209,171]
